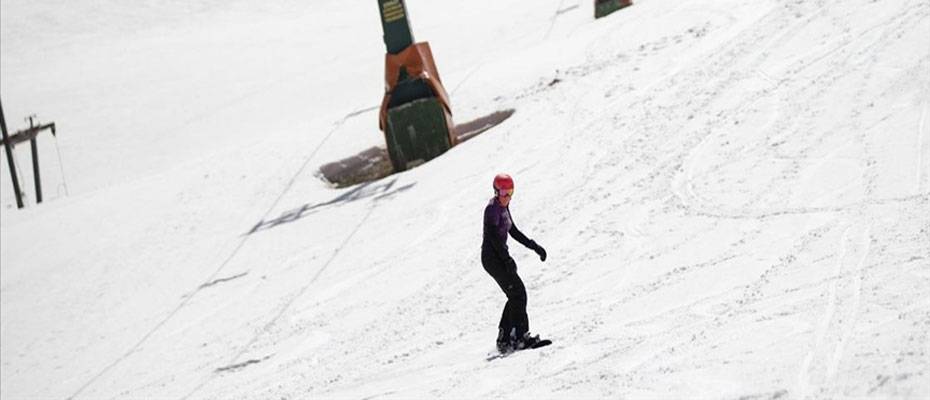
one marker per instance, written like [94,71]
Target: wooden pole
[9,158]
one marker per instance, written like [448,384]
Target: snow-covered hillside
[734,195]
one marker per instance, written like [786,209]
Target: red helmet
[502,182]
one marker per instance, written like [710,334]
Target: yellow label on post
[393,11]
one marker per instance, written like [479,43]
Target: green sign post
[397,35]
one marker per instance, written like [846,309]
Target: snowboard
[542,343]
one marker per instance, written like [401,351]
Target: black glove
[541,251]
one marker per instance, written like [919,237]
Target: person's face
[504,196]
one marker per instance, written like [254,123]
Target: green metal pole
[9,159]
[397,33]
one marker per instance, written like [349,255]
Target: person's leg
[514,317]
[505,323]
[514,322]
[498,270]
[509,324]
[516,303]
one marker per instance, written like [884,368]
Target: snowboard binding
[508,343]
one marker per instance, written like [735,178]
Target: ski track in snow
[849,246]
[207,281]
[920,148]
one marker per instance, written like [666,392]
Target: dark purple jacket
[497,224]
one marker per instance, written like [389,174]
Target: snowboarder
[513,330]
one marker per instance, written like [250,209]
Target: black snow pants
[505,274]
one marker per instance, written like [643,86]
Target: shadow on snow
[363,191]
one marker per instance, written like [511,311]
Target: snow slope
[734,196]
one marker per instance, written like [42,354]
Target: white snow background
[734,195]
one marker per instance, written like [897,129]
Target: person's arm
[529,243]
[520,237]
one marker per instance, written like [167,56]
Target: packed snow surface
[734,196]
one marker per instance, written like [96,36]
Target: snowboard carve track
[863,244]
[221,280]
[852,242]
[284,308]
[920,148]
